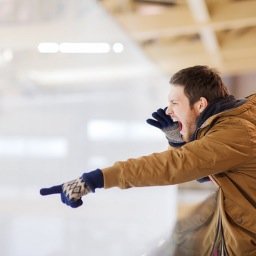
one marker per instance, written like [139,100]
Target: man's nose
[168,110]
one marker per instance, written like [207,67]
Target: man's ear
[201,104]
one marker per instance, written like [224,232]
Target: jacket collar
[218,106]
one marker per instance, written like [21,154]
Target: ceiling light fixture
[48,47]
[84,48]
[117,47]
[90,48]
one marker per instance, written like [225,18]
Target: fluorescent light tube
[84,48]
[48,47]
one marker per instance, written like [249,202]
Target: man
[212,136]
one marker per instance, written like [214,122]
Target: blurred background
[78,79]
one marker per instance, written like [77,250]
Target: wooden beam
[239,44]
[173,21]
[228,67]
[179,20]
[225,40]
[237,39]
[238,54]
[234,14]
[209,40]
[175,49]
[117,6]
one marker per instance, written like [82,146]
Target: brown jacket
[225,150]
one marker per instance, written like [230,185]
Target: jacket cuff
[112,177]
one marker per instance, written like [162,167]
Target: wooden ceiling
[181,33]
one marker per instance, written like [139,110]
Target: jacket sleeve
[224,147]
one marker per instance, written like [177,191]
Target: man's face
[180,111]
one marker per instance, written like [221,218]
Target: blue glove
[71,192]
[165,123]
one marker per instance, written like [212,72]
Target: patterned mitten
[71,192]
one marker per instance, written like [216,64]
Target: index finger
[51,190]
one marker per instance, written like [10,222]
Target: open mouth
[180,126]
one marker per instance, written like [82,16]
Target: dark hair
[200,81]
